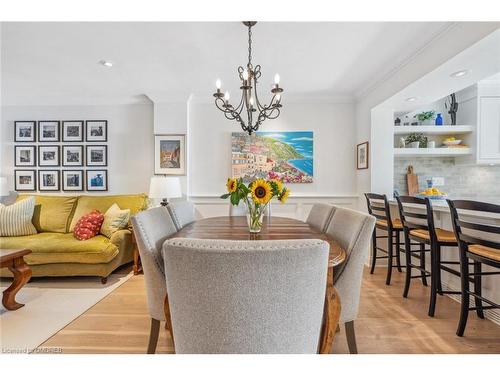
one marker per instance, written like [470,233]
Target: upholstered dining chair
[240,210]
[320,215]
[151,228]
[182,212]
[238,296]
[352,230]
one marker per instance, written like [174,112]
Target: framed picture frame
[48,180]
[24,131]
[96,180]
[170,154]
[72,131]
[48,131]
[25,156]
[72,180]
[96,131]
[362,155]
[49,156]
[72,156]
[24,180]
[97,155]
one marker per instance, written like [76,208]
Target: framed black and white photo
[48,156]
[170,154]
[72,156]
[48,131]
[97,180]
[362,156]
[24,156]
[25,180]
[24,131]
[48,180]
[72,131]
[97,156]
[72,180]
[96,131]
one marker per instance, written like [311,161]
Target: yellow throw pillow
[114,219]
[15,220]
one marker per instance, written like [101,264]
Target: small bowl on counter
[456,142]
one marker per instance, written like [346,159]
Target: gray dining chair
[240,210]
[246,296]
[320,215]
[182,212]
[352,230]
[151,228]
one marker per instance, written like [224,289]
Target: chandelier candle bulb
[277,79]
[226,97]
[218,84]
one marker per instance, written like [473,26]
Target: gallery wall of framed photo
[61,155]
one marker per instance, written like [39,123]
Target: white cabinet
[488,130]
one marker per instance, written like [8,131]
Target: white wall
[130,140]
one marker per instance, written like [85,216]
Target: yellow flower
[261,191]
[279,185]
[284,196]
[232,185]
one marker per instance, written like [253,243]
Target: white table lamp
[4,189]
[164,188]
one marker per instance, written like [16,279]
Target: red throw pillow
[88,226]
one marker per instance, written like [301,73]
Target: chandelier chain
[249,46]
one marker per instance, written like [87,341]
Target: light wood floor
[387,323]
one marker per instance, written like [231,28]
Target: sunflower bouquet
[256,196]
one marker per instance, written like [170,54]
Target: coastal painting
[287,156]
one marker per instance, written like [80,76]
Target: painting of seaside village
[284,155]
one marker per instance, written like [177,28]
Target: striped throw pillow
[15,220]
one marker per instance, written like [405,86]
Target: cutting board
[412,180]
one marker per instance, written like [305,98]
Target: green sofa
[57,253]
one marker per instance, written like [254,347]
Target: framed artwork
[48,156]
[72,156]
[24,131]
[72,180]
[170,154]
[48,180]
[25,156]
[48,131]
[362,155]
[96,131]
[284,155]
[97,155]
[25,180]
[97,180]
[72,131]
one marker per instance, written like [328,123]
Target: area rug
[50,305]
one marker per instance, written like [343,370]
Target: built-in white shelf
[434,129]
[436,152]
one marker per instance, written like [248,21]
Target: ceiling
[57,63]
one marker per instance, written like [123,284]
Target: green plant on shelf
[416,137]
[424,116]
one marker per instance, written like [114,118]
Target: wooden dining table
[276,228]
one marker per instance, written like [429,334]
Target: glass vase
[255,216]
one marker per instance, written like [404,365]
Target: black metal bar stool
[378,206]
[481,243]
[420,229]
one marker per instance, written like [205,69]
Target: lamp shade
[4,189]
[165,187]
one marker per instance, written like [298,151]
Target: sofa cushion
[114,220]
[52,213]
[62,248]
[15,220]
[88,226]
[88,203]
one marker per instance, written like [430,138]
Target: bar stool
[473,245]
[378,206]
[420,229]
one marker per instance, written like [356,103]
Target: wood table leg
[331,315]
[22,274]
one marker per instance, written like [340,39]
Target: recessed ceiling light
[460,73]
[411,99]
[106,63]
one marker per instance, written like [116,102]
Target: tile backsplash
[460,181]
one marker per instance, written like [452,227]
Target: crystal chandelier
[256,113]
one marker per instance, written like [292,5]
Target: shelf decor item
[439,120]
[249,113]
[24,131]
[416,140]
[452,107]
[425,118]
[256,197]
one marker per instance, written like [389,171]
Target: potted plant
[416,140]
[425,118]
[256,196]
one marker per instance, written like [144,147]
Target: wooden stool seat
[396,223]
[441,234]
[485,251]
